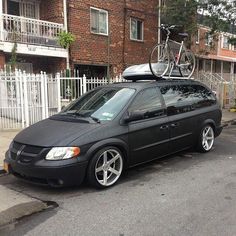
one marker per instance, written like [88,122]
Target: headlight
[62,153]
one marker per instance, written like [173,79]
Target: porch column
[66,29]
[232,70]
[1,21]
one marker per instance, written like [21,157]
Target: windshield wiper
[95,119]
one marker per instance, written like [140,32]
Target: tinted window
[202,97]
[148,100]
[184,98]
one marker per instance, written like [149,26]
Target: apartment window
[99,21]
[208,39]
[198,36]
[136,29]
[225,42]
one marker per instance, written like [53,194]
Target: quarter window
[136,29]
[99,21]
[185,98]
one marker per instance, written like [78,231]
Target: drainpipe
[159,22]
[66,29]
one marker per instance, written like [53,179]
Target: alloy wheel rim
[108,167]
[207,138]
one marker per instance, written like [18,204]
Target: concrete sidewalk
[14,205]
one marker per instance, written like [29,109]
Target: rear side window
[148,100]
[185,98]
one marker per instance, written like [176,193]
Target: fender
[209,121]
[109,142]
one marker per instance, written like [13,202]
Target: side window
[148,101]
[178,98]
[202,97]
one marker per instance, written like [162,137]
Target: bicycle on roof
[164,62]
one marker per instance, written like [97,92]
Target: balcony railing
[30,31]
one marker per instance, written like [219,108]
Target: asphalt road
[185,194]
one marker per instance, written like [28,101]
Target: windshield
[102,104]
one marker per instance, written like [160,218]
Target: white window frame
[209,39]
[142,34]
[223,38]
[198,37]
[103,11]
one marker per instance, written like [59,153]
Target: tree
[219,15]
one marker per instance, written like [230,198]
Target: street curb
[2,171]
[21,210]
[229,122]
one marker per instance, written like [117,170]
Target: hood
[48,133]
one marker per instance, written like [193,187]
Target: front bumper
[54,174]
[218,130]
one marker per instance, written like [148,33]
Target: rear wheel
[105,167]
[206,139]
[187,64]
[159,60]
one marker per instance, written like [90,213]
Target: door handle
[164,127]
[174,125]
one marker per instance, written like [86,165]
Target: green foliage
[180,12]
[65,39]
[219,15]
[232,41]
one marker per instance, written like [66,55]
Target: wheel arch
[118,143]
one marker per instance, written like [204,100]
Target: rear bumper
[56,176]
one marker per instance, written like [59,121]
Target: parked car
[114,127]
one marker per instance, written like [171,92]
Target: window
[148,101]
[198,36]
[225,42]
[99,21]
[136,29]
[186,98]
[208,39]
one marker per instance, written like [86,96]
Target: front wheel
[206,139]
[187,64]
[105,167]
[159,60]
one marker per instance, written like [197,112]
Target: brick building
[110,35]
[215,55]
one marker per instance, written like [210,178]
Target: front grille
[24,153]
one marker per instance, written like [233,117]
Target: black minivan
[115,127]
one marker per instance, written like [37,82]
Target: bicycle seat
[184,35]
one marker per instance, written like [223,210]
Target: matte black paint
[140,141]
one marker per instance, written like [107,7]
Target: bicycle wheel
[187,64]
[159,60]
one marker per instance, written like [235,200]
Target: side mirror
[134,115]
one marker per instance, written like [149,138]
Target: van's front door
[148,136]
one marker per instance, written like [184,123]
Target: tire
[187,64]
[159,60]
[105,167]
[206,139]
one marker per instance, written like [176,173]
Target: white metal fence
[28,98]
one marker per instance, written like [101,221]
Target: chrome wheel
[108,167]
[207,138]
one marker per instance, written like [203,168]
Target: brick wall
[52,10]
[95,49]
